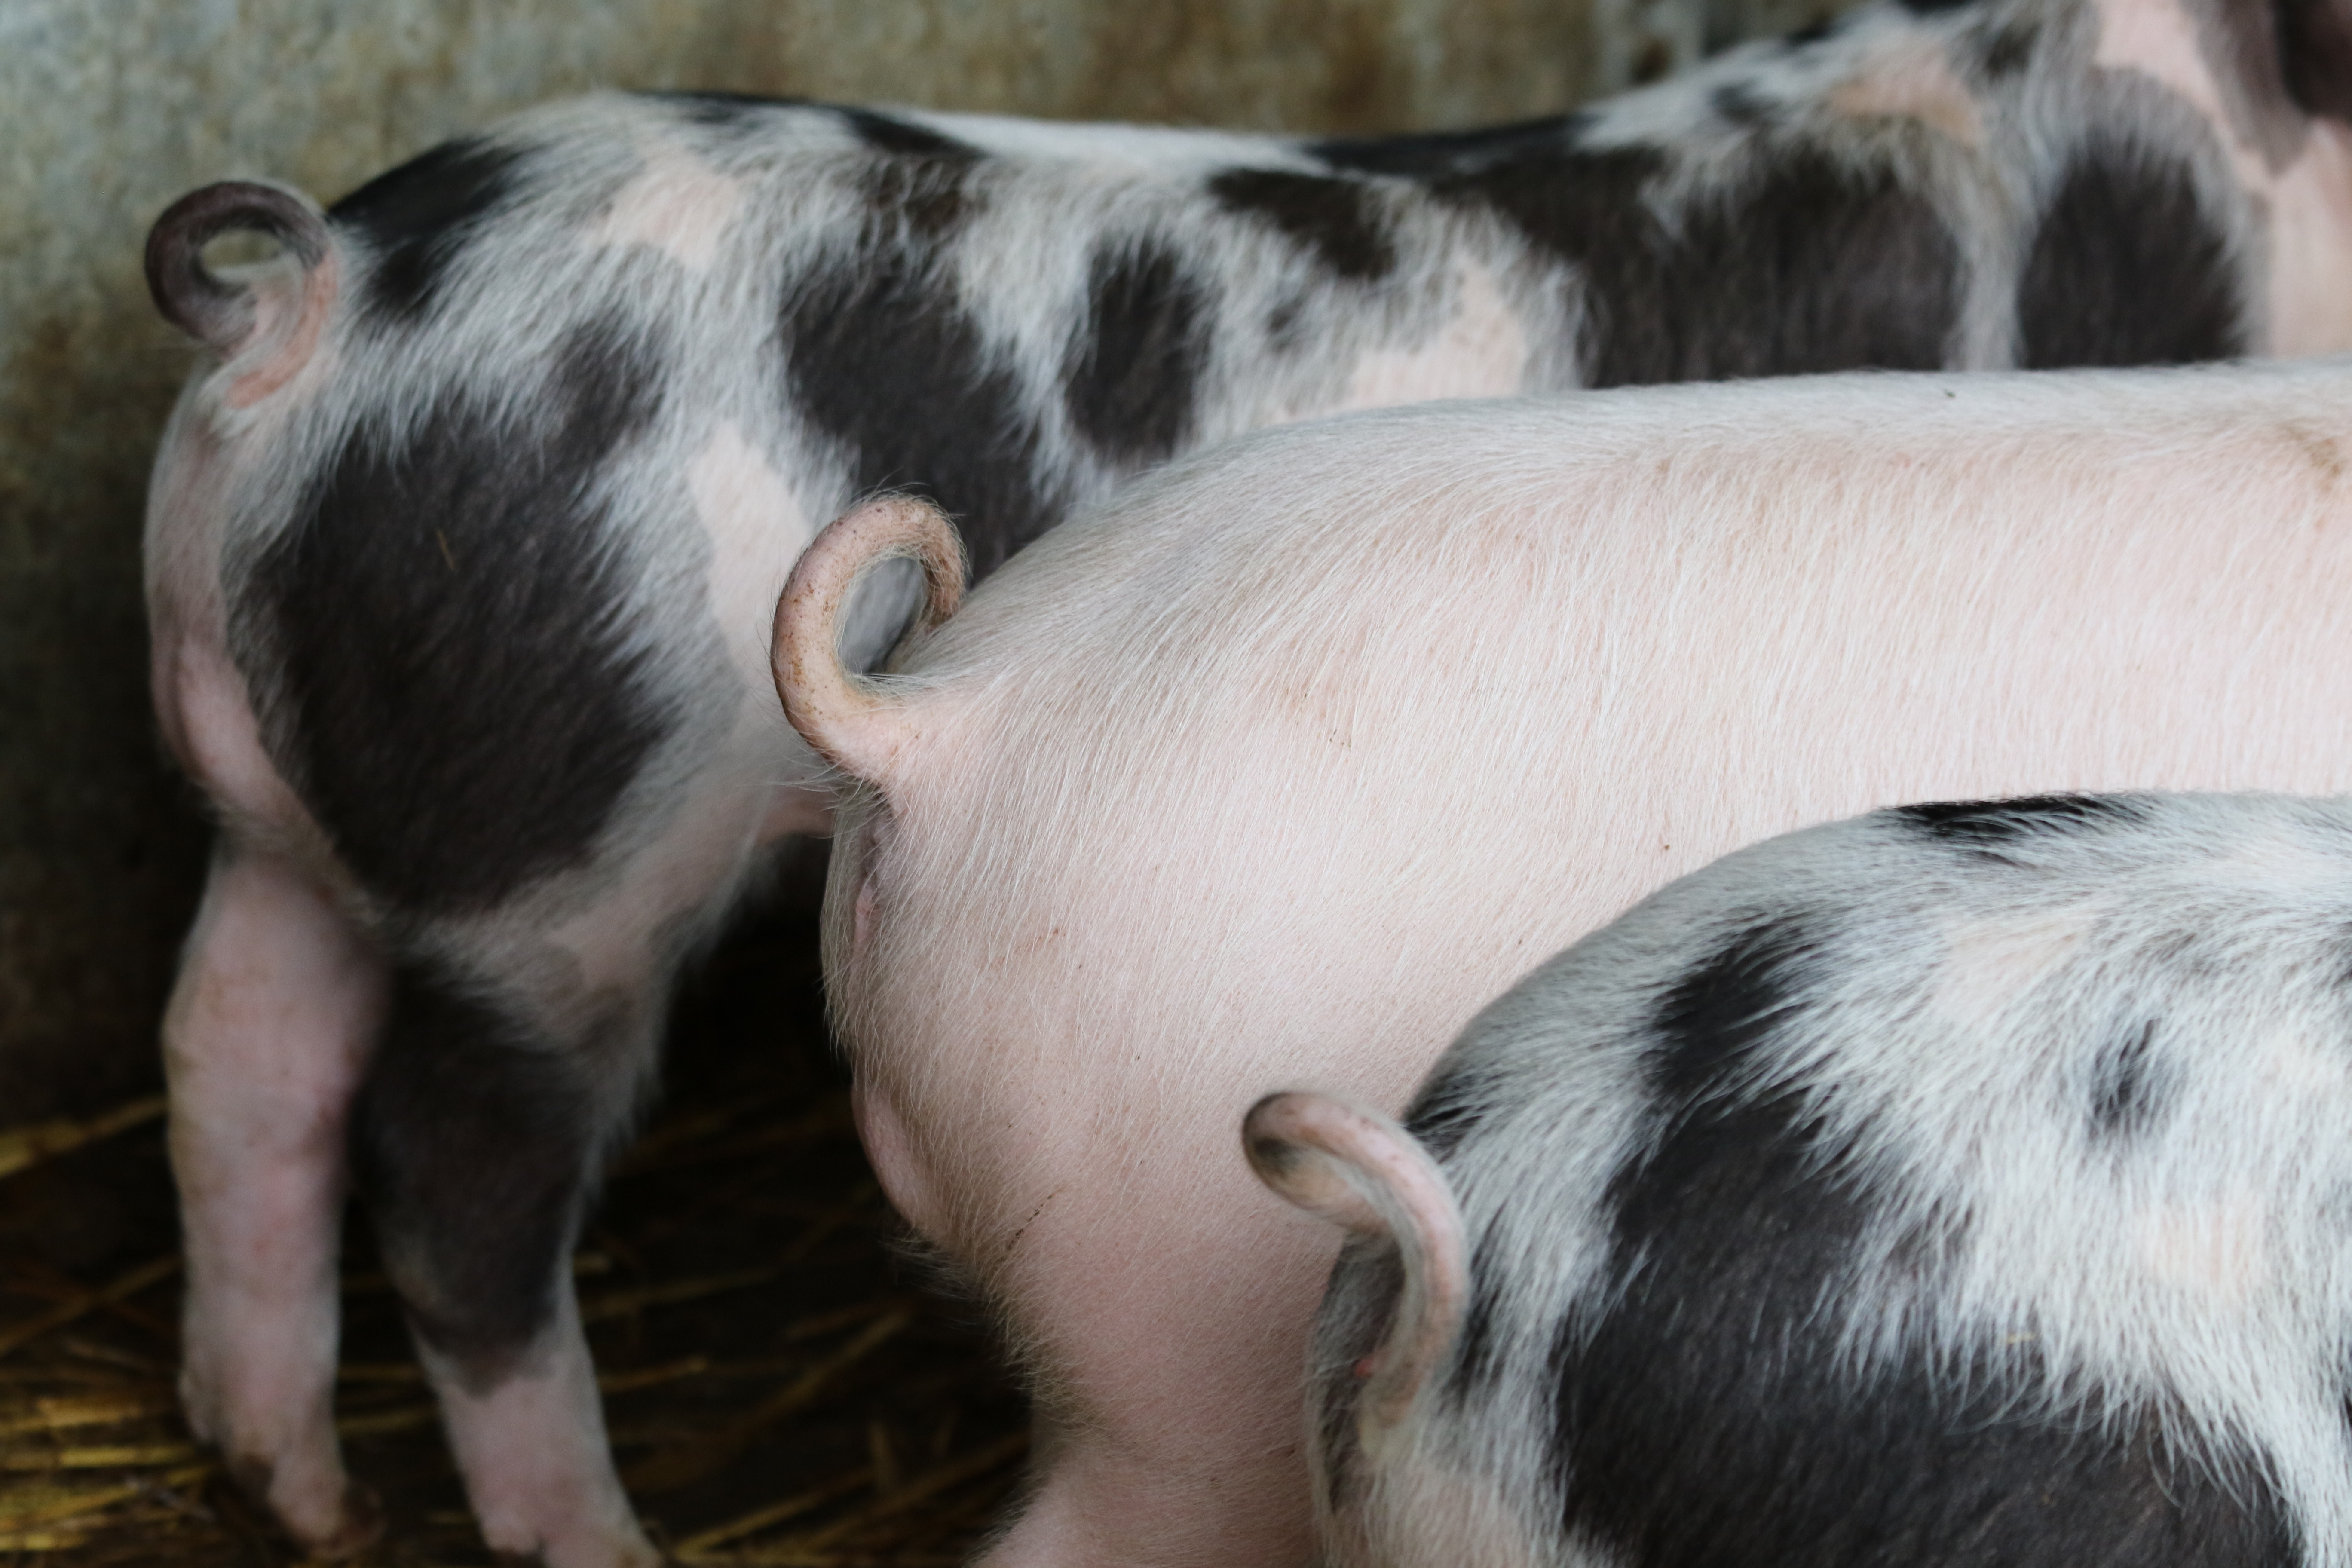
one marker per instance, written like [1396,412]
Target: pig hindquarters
[1274,769]
[1957,1184]
[461,560]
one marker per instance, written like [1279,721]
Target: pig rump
[1954,1185]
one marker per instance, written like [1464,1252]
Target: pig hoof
[639,1553]
[360,1527]
[351,1524]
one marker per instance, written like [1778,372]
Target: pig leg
[511,1065]
[278,998]
[1161,1440]
[479,1132]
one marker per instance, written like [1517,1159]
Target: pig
[461,554]
[1278,766]
[1959,1184]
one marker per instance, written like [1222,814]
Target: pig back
[1228,769]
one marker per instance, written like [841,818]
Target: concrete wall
[111,108]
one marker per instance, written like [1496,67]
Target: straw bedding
[779,1390]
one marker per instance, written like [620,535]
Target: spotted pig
[1278,766]
[462,552]
[1957,1184]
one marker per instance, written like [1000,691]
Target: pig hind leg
[1148,1460]
[269,1024]
[479,1132]
[517,1047]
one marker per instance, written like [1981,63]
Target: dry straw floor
[778,1389]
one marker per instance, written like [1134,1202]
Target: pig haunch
[462,560]
[1278,766]
[1959,1184]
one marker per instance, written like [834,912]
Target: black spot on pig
[1448,1110]
[2242,45]
[458,703]
[1811,33]
[1711,1023]
[2315,46]
[931,196]
[1439,154]
[1723,1146]
[1815,267]
[880,357]
[2126,268]
[1282,327]
[2127,1092]
[1707,1418]
[920,179]
[415,220]
[1988,825]
[1131,372]
[473,1138]
[1339,220]
[1702,1427]
[2011,49]
[1720,1155]
[904,137]
[1738,103]
[726,111]
[1578,206]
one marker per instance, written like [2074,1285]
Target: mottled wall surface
[111,108]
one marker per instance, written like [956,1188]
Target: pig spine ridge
[1959,1184]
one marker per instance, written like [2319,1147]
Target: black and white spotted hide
[1957,1184]
[462,556]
